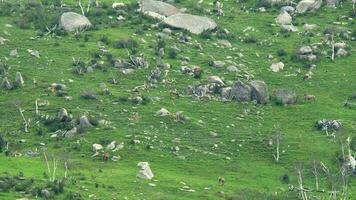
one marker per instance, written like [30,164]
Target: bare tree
[25,122]
[276,142]
[332,47]
[81,7]
[316,174]
[302,191]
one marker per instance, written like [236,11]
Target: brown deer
[221,180]
[309,97]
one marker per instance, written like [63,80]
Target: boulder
[19,80]
[308,6]
[3,40]
[118,5]
[259,91]
[192,23]
[145,171]
[225,93]
[62,114]
[241,92]
[218,63]
[284,18]
[163,112]
[341,52]
[309,27]
[273,2]
[158,9]
[277,66]
[84,122]
[71,21]
[305,50]
[288,9]
[289,28]
[328,125]
[232,68]
[332,3]
[215,79]
[285,97]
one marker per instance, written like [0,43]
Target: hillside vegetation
[171,98]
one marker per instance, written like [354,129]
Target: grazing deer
[309,97]
[221,180]
[106,156]
[175,93]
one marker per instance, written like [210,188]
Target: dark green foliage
[251,39]
[282,52]
[129,44]
[34,15]
[3,142]
[89,94]
[172,53]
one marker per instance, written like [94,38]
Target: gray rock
[288,9]
[305,50]
[84,122]
[308,6]
[6,84]
[19,80]
[225,93]
[158,9]
[192,23]
[285,97]
[145,171]
[289,28]
[71,21]
[240,92]
[332,3]
[232,68]
[259,91]
[218,63]
[284,18]
[341,52]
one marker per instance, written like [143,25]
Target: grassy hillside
[239,152]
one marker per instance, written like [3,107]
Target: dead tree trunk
[302,192]
[332,47]
[316,175]
[276,143]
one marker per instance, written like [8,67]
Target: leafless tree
[276,142]
[25,122]
[302,191]
[316,174]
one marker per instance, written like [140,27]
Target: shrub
[126,44]
[173,53]
[251,39]
[91,95]
[282,52]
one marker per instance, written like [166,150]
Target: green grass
[251,170]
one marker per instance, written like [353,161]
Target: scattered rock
[192,23]
[259,91]
[163,112]
[71,21]
[277,66]
[328,125]
[19,80]
[285,97]
[308,6]
[284,18]
[145,171]
[158,9]
[215,79]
